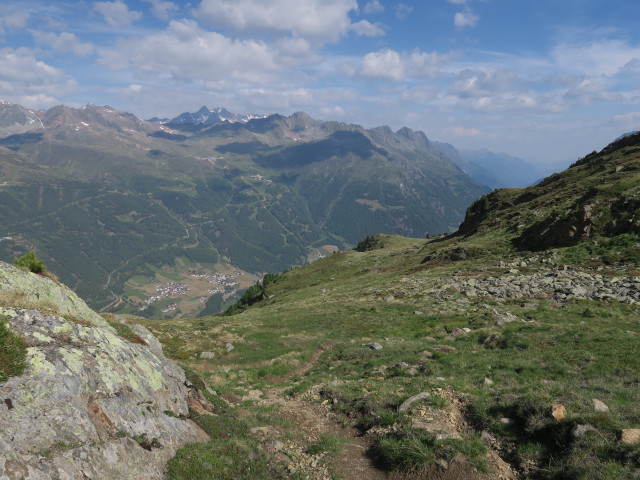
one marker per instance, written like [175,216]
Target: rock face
[90,404]
[25,289]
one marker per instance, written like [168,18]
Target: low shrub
[30,262]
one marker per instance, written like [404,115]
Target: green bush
[13,352]
[31,262]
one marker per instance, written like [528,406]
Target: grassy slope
[564,351]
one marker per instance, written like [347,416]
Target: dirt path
[313,359]
[311,416]
[306,414]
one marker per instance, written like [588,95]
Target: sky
[545,80]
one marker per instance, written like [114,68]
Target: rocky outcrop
[90,404]
[25,289]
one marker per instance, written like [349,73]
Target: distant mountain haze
[111,201]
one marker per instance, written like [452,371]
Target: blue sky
[545,80]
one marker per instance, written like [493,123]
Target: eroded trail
[315,419]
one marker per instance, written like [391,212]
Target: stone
[558,411]
[507,421]
[207,355]
[418,312]
[457,332]
[599,406]
[94,391]
[487,381]
[581,430]
[411,400]
[228,347]
[373,345]
[630,435]
[389,299]
[502,318]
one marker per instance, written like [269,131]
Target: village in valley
[183,291]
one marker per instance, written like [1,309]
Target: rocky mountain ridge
[143,198]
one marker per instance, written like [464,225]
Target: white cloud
[117,14]
[162,9]
[628,120]
[186,52]
[29,81]
[15,20]
[64,43]
[478,83]
[403,10]
[366,29]
[465,19]
[607,57]
[374,6]
[590,91]
[427,65]
[321,20]
[385,64]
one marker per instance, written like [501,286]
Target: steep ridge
[597,196]
[88,403]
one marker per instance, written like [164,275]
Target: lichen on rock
[87,397]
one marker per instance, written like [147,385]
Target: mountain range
[118,206]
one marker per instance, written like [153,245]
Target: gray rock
[581,430]
[228,347]
[373,345]
[389,299]
[207,355]
[411,400]
[599,406]
[101,406]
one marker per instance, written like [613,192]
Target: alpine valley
[172,217]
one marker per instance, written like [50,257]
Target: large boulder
[89,404]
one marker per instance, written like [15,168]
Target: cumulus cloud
[321,20]
[26,80]
[64,43]
[465,19]
[385,64]
[162,9]
[373,6]
[117,14]
[186,52]
[366,29]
